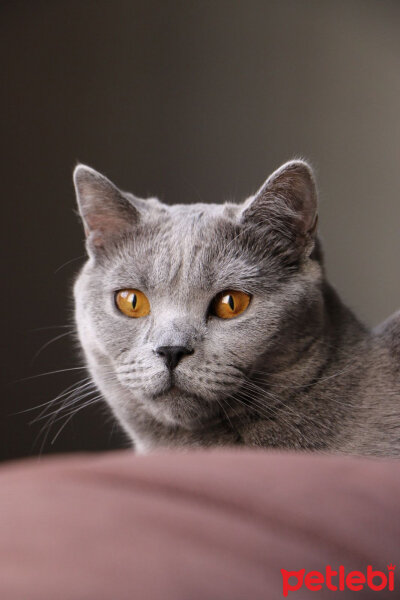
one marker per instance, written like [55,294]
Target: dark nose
[173,354]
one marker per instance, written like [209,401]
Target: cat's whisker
[48,402]
[58,414]
[68,262]
[71,417]
[72,395]
[58,337]
[53,327]
[71,400]
[57,371]
[265,411]
[264,378]
[225,412]
[76,407]
[291,409]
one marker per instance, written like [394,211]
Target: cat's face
[178,304]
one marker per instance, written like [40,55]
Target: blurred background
[186,100]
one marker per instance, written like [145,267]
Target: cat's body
[294,370]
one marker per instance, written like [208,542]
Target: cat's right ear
[105,211]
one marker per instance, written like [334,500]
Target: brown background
[184,100]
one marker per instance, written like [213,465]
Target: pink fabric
[206,525]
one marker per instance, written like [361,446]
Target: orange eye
[230,303]
[132,303]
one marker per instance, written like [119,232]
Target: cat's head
[178,305]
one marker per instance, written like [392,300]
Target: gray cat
[212,325]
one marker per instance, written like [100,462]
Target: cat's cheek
[243,337]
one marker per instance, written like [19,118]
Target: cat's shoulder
[389,332]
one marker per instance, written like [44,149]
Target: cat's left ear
[105,210]
[286,204]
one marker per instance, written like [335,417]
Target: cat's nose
[173,354]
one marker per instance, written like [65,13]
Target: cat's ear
[287,205]
[106,212]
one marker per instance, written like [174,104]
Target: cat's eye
[229,304]
[132,303]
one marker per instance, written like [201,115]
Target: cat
[211,325]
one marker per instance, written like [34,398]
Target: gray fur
[295,370]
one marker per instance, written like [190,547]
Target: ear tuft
[106,212]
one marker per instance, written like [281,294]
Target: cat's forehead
[182,229]
[185,246]
[176,213]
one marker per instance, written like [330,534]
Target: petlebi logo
[338,580]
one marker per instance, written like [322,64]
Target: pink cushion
[204,525]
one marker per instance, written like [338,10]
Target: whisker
[37,406]
[49,373]
[302,415]
[58,337]
[69,401]
[52,327]
[68,262]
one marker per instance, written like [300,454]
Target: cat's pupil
[231,302]
[134,301]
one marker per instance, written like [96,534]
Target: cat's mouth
[171,389]
[174,391]
[174,400]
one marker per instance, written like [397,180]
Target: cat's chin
[177,407]
[169,392]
